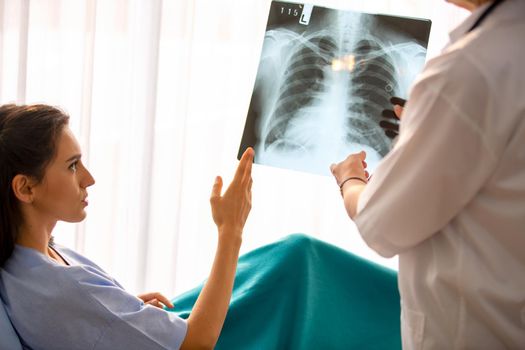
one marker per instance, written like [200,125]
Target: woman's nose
[91,179]
[87,179]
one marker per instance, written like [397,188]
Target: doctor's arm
[230,211]
[348,172]
[442,159]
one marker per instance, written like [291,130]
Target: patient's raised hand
[230,210]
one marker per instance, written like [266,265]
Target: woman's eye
[73,166]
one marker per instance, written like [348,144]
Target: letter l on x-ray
[305,16]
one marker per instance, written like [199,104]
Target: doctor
[449,199]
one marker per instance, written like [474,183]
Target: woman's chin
[76,218]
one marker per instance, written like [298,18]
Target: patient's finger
[148,296]
[248,170]
[163,300]
[152,302]
[243,164]
[155,298]
[217,188]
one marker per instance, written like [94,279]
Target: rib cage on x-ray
[311,114]
[373,82]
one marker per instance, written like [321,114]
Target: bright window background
[158,93]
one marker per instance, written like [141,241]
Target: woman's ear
[23,188]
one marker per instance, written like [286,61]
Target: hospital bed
[298,294]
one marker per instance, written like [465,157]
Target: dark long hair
[28,142]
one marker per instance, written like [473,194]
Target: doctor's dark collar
[484,15]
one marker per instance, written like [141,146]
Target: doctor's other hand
[390,118]
[230,210]
[155,299]
[354,166]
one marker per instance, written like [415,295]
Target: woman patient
[58,299]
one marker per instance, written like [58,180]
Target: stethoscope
[485,14]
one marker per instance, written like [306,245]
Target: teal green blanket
[302,293]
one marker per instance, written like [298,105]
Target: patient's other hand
[156,299]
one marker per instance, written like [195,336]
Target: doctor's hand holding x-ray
[391,117]
[448,199]
[353,168]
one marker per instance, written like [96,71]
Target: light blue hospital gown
[80,306]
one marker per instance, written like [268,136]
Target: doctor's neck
[470,5]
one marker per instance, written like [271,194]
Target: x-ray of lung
[324,77]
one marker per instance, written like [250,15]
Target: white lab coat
[449,199]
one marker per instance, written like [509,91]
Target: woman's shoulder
[28,271]
[72,256]
[40,294]
[82,269]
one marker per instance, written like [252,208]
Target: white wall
[158,93]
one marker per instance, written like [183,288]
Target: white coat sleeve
[440,162]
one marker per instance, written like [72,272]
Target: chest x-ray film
[324,78]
